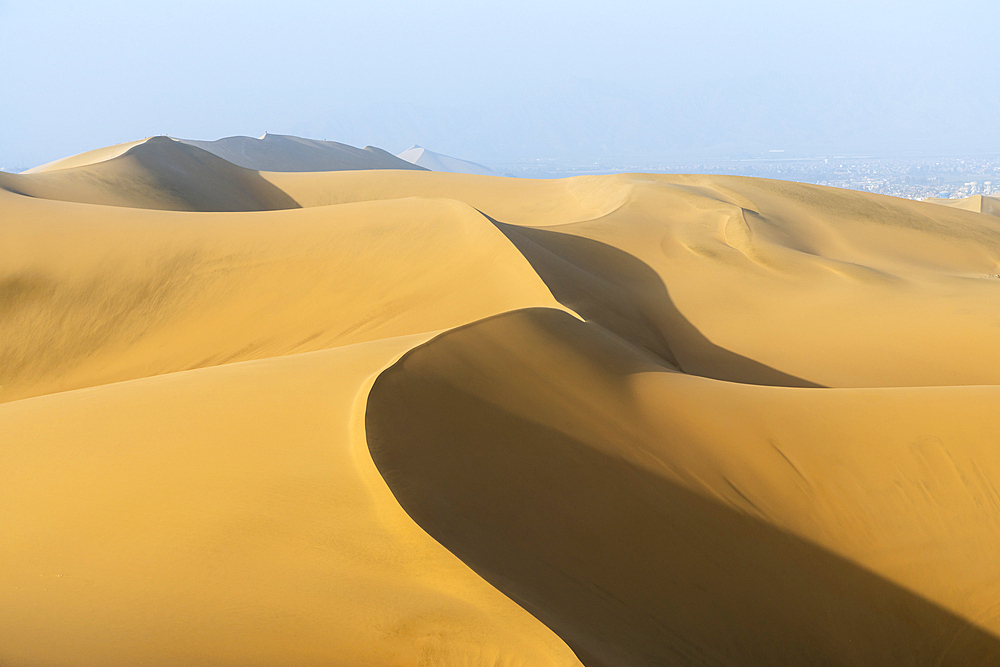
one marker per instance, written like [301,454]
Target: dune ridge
[396,417]
[987,204]
[87,157]
[158,173]
[704,545]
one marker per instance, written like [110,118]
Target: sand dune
[394,417]
[422,157]
[231,516]
[977,203]
[652,517]
[89,157]
[832,287]
[158,173]
[94,294]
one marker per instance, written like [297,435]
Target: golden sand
[410,418]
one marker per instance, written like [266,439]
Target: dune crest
[651,517]
[88,157]
[987,204]
[158,173]
[383,416]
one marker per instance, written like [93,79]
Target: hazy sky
[503,81]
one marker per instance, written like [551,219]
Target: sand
[988,204]
[395,417]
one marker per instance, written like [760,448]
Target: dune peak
[278,400]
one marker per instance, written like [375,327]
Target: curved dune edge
[239,521]
[649,517]
[212,454]
[92,295]
[87,158]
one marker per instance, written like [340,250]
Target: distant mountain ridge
[271,152]
[279,152]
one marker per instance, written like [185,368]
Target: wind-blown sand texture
[408,418]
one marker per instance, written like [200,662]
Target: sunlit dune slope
[94,294]
[231,516]
[745,279]
[655,518]
[89,157]
[278,152]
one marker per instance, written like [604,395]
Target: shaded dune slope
[520,444]
[830,287]
[231,516]
[620,293]
[159,173]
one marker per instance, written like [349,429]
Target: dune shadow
[158,174]
[628,567]
[621,293]
[206,182]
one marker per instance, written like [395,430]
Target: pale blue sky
[494,81]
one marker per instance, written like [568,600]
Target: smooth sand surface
[231,516]
[88,157]
[652,517]
[412,418]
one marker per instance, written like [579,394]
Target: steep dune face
[825,286]
[750,280]
[159,173]
[651,517]
[231,516]
[89,157]
[276,152]
[353,417]
[521,201]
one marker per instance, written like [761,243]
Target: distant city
[910,178]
